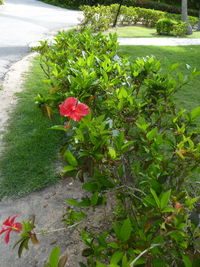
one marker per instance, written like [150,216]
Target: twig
[42,232]
[142,253]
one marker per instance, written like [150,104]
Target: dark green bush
[180,29]
[165,26]
[168,26]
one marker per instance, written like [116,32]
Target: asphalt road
[25,21]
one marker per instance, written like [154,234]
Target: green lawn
[189,96]
[30,155]
[141,31]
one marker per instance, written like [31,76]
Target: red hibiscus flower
[74,110]
[8,226]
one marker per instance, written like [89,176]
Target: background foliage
[168,6]
[102,17]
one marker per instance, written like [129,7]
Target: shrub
[171,27]
[102,17]
[148,17]
[1,2]
[180,29]
[97,17]
[165,26]
[128,15]
[130,146]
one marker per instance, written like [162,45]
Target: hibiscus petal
[62,110]
[13,219]
[68,106]
[82,109]
[7,236]
[7,222]
[71,102]
[3,230]
[75,116]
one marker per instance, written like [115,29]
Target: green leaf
[116,257]
[83,203]
[149,201]
[116,228]
[68,168]
[165,197]
[68,156]
[112,153]
[58,127]
[181,77]
[113,245]
[94,199]
[19,241]
[54,257]
[91,186]
[187,261]
[24,244]
[126,230]
[195,113]
[150,135]
[125,261]
[122,93]
[174,66]
[155,197]
[168,209]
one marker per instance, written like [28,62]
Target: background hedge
[168,6]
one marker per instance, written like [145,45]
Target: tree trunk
[184,10]
[198,28]
[118,11]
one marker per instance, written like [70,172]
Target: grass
[30,155]
[189,96]
[141,31]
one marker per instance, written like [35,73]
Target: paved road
[26,21]
[159,41]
